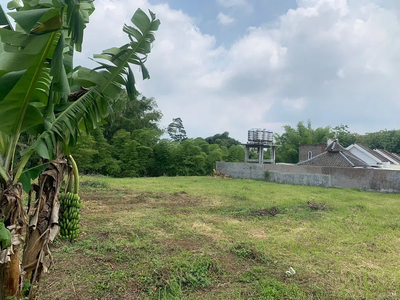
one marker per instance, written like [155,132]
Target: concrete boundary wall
[380,180]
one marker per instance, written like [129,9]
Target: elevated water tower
[260,139]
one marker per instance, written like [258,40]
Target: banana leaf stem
[76,173]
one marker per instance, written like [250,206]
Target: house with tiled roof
[396,155]
[392,157]
[307,151]
[371,157]
[335,156]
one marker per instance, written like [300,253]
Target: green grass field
[220,238]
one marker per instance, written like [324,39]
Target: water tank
[270,136]
[265,135]
[250,135]
[259,135]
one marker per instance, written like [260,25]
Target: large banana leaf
[34,63]
[105,82]
[4,22]
[76,16]
[22,70]
[4,138]
[36,73]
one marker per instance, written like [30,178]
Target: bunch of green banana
[69,221]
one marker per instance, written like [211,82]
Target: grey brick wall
[314,148]
[379,180]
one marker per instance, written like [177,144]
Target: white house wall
[361,155]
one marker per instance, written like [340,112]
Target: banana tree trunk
[11,210]
[39,224]
[43,223]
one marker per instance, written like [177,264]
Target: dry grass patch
[219,238]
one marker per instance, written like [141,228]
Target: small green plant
[267,176]
[67,249]
[255,274]
[195,273]
[189,274]
[102,286]
[243,252]
[27,286]
[172,292]
[248,252]
[271,289]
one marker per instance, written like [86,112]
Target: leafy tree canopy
[222,139]
[139,112]
[176,130]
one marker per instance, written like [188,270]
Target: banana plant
[48,102]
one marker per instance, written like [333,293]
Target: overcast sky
[231,65]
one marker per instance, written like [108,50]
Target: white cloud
[340,74]
[225,19]
[258,49]
[323,61]
[294,104]
[231,3]
[242,4]
[324,6]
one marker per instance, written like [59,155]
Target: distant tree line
[130,145]
[305,134]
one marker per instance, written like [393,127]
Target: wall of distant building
[380,180]
[305,151]
[364,156]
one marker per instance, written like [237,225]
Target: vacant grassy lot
[216,238]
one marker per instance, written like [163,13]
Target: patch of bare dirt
[60,283]
[102,195]
[190,244]
[133,291]
[271,212]
[176,212]
[240,198]
[257,233]
[111,201]
[70,277]
[317,206]
[231,263]
[180,193]
[134,199]
[207,230]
